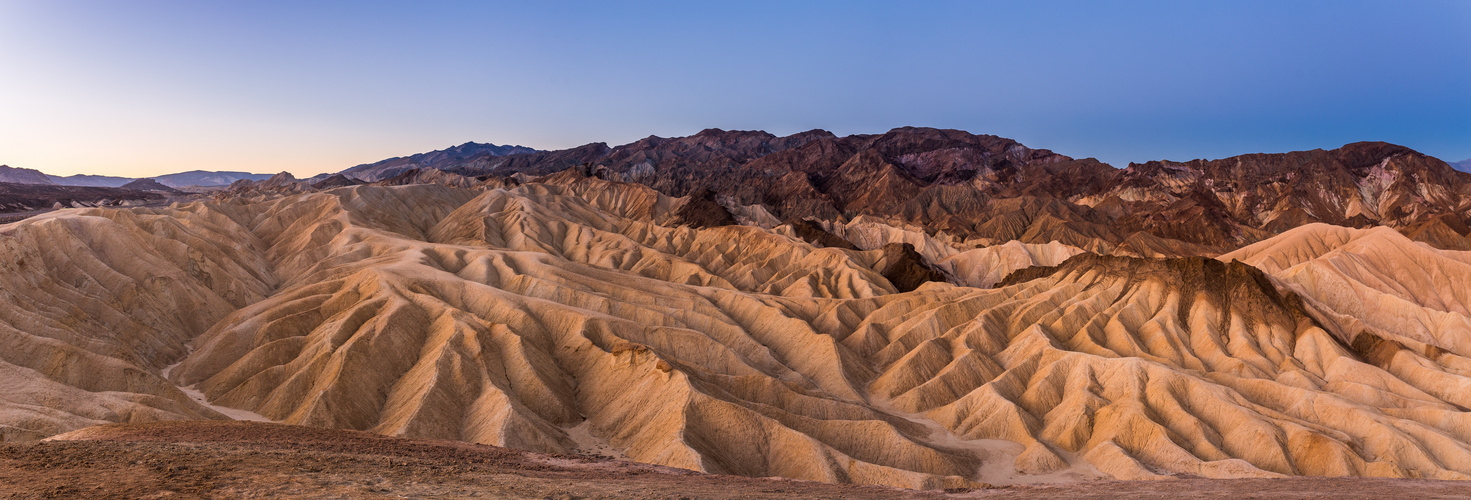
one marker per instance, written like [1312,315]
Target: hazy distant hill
[1463,165]
[205,178]
[86,180]
[22,175]
[181,179]
[150,185]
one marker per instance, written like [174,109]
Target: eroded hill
[580,315]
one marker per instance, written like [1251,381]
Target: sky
[142,88]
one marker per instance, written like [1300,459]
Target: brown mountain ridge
[995,189]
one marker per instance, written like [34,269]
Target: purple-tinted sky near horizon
[150,87]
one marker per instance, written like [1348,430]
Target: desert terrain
[922,313]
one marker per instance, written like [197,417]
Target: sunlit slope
[1375,280]
[1402,305]
[527,313]
[93,303]
[574,316]
[1149,367]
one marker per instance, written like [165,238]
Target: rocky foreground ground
[257,460]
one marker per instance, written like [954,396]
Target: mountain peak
[23,176]
[958,182]
[442,159]
[149,185]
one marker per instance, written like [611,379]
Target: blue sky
[148,87]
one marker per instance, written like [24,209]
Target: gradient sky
[141,88]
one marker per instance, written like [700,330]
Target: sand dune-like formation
[580,314]
[1403,305]
[94,302]
[975,262]
[1374,280]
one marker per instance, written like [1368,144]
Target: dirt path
[194,393]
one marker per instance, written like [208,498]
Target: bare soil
[258,460]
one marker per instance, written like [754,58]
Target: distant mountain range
[23,176]
[996,189]
[207,178]
[89,180]
[199,178]
[440,160]
[966,185]
[150,185]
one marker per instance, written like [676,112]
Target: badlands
[573,317]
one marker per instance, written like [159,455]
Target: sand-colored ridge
[91,310]
[1374,280]
[581,313]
